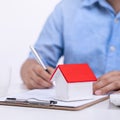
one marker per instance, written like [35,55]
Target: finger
[110,87]
[35,81]
[34,85]
[40,81]
[42,73]
[104,82]
[101,83]
[51,70]
[31,84]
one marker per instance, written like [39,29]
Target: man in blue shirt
[83,31]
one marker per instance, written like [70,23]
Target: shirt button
[116,20]
[112,49]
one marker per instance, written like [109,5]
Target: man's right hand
[34,76]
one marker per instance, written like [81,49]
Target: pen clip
[33,101]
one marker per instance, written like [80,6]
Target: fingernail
[98,92]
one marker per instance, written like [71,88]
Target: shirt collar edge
[89,2]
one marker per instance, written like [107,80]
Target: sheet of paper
[49,94]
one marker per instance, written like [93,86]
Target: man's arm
[50,47]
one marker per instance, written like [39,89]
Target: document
[37,95]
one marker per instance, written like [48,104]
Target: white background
[20,24]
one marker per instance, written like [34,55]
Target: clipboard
[56,107]
[46,95]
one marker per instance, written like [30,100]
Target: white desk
[101,111]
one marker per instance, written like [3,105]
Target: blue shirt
[83,31]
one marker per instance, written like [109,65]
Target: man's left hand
[107,83]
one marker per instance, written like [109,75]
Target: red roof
[77,73]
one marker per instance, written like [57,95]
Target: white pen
[38,59]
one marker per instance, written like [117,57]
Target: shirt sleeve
[50,41]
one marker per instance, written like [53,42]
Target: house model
[73,82]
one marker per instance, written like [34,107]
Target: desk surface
[101,111]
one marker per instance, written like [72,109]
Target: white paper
[49,94]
